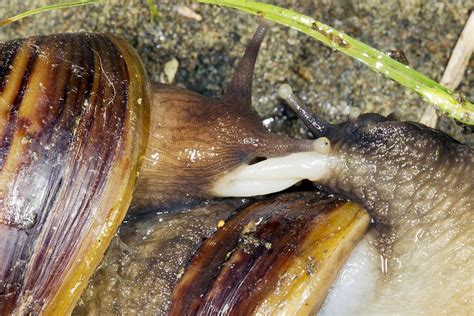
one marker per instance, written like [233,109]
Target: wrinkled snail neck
[400,172]
[194,141]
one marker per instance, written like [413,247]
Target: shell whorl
[72,120]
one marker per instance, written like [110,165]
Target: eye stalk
[316,125]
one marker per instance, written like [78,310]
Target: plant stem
[155,14]
[439,96]
[46,8]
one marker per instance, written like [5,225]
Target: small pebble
[169,74]
[187,12]
[220,223]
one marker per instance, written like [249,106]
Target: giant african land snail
[80,121]
[79,125]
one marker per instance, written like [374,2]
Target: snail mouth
[278,173]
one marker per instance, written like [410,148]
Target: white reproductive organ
[278,173]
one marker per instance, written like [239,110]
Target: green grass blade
[439,96]
[155,14]
[46,8]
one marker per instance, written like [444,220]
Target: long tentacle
[316,125]
[240,88]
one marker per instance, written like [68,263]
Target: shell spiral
[73,115]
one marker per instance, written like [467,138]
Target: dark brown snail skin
[418,185]
[200,139]
[82,129]
[195,139]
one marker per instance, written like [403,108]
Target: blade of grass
[46,8]
[439,96]
[155,14]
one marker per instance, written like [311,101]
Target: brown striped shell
[72,120]
[277,256]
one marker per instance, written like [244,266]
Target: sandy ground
[208,50]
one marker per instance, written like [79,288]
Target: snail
[85,136]
[83,129]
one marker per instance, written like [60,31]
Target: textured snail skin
[389,164]
[418,185]
[194,140]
